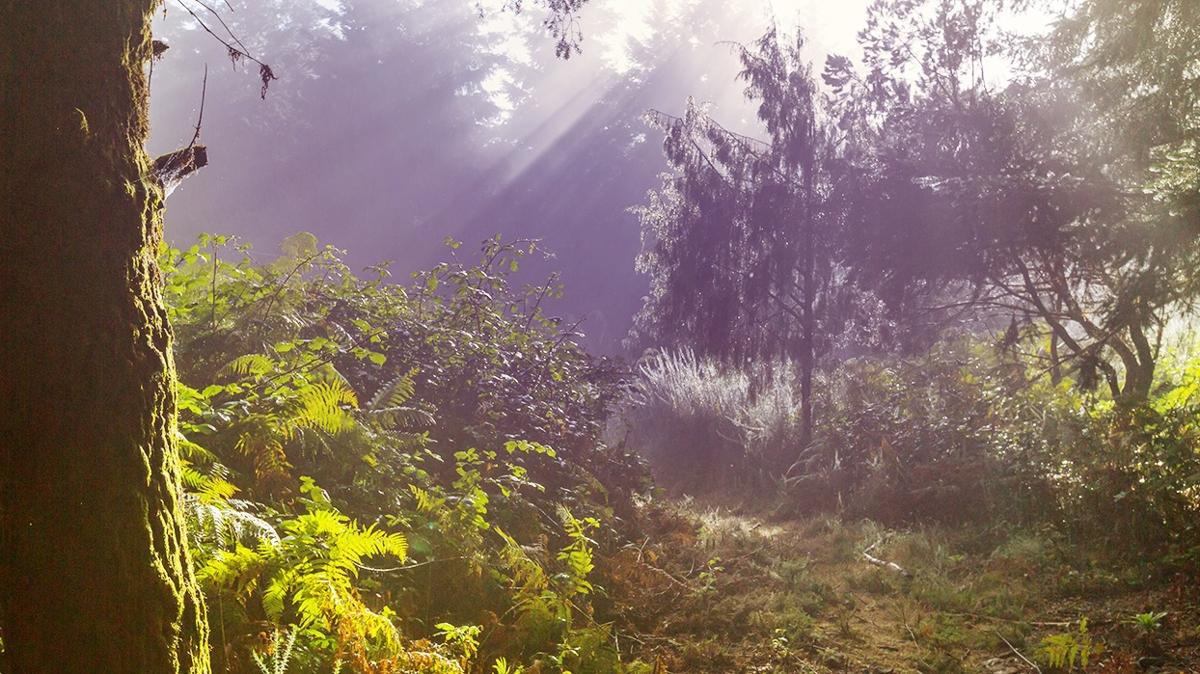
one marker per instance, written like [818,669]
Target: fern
[262,440]
[308,575]
[279,653]
[1067,650]
[206,487]
[225,523]
[322,405]
[389,408]
[298,566]
[251,364]
[395,393]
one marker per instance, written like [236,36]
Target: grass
[734,593]
[701,424]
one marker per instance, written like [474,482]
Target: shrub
[947,436]
[452,428]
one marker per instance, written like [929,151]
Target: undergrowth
[426,477]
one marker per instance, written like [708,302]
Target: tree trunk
[807,347]
[808,318]
[1139,375]
[95,574]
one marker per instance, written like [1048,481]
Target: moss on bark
[94,568]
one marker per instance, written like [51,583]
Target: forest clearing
[854,337]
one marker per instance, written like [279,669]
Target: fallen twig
[904,619]
[1012,648]
[883,562]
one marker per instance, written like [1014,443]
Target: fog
[395,123]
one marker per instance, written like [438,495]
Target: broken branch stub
[170,169]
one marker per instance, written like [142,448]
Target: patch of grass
[873,580]
[785,619]
[1025,553]
[709,654]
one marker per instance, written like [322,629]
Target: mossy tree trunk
[94,568]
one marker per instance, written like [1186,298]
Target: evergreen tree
[737,242]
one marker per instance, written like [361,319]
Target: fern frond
[278,589]
[279,653]
[252,364]
[237,570]
[321,406]
[395,393]
[192,451]
[225,523]
[407,417]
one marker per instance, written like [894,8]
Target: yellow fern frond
[252,364]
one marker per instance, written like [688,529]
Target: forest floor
[711,590]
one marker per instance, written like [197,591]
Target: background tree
[1023,204]
[735,241]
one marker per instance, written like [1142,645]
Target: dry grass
[712,590]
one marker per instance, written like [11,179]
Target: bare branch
[200,116]
[265,73]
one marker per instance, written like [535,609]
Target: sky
[396,123]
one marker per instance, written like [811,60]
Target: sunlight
[599,336]
[626,38]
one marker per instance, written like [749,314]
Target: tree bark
[95,574]
[1139,375]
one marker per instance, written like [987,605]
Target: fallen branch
[883,562]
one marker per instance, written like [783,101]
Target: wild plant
[1068,650]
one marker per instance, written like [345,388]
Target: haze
[395,123]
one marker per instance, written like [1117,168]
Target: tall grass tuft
[701,423]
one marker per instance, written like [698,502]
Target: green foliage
[576,556]
[440,417]
[308,577]
[1067,650]
[1148,622]
[461,638]
[278,654]
[933,437]
[501,666]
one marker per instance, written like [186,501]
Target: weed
[1148,622]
